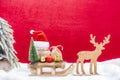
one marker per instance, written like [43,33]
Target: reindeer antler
[106,40]
[93,39]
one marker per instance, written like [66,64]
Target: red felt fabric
[65,22]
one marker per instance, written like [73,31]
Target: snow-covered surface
[108,70]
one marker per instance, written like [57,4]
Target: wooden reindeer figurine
[91,55]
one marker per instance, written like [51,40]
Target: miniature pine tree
[7,50]
[33,57]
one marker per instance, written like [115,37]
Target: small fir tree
[7,50]
[33,56]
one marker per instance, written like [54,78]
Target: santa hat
[40,39]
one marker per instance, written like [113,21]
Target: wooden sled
[36,69]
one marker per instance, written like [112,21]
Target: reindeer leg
[82,67]
[91,67]
[77,67]
[95,67]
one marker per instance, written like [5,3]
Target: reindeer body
[88,55]
[91,55]
[82,55]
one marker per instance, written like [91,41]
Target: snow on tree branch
[6,42]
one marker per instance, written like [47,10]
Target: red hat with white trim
[40,39]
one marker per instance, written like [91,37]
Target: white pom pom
[31,31]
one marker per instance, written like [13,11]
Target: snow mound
[108,70]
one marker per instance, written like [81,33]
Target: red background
[65,22]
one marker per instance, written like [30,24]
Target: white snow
[108,70]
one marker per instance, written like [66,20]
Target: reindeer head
[100,45]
